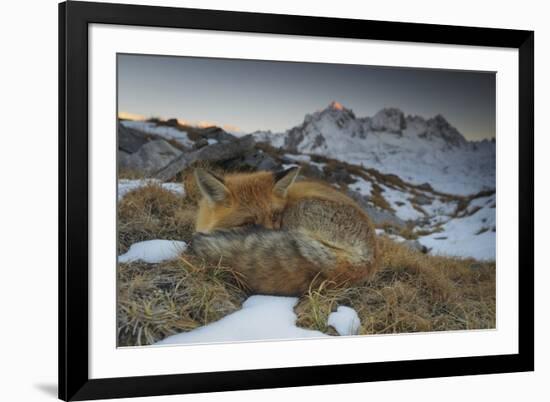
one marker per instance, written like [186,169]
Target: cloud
[204,124]
[184,122]
[231,128]
[130,116]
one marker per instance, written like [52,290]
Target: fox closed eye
[241,200]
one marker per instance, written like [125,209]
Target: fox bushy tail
[283,262]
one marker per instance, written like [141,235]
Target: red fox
[282,234]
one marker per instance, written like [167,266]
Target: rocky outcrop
[217,134]
[149,158]
[439,127]
[310,136]
[329,132]
[390,120]
[215,153]
[130,140]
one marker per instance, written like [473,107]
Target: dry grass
[158,300]
[130,174]
[151,212]
[412,292]
[408,232]
[378,199]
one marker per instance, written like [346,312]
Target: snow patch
[471,236]
[318,165]
[400,203]
[261,318]
[345,321]
[153,251]
[364,187]
[481,202]
[276,140]
[290,165]
[298,158]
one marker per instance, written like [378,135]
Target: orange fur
[283,234]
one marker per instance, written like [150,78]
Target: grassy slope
[412,292]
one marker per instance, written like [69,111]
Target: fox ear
[284,179]
[211,187]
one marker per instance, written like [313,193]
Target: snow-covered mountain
[416,149]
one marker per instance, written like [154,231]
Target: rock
[439,127]
[338,175]
[151,157]
[212,153]
[255,159]
[130,140]
[377,216]
[260,161]
[218,134]
[391,120]
[172,122]
[425,187]
[310,136]
[421,199]
[417,123]
[294,138]
[123,159]
[269,163]
[383,217]
[311,171]
[203,142]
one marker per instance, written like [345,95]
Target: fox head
[242,199]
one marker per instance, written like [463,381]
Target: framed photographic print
[258,201]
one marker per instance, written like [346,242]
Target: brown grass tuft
[412,292]
[131,174]
[151,212]
[159,300]
[378,199]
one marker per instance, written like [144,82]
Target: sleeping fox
[282,234]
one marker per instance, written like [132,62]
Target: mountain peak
[389,119]
[438,126]
[336,105]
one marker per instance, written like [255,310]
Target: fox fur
[282,234]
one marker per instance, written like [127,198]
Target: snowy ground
[399,201]
[261,318]
[125,186]
[264,318]
[362,186]
[153,251]
[166,132]
[469,236]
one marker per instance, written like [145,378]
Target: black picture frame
[74,18]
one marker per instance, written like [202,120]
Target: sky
[249,95]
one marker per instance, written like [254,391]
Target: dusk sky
[253,95]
